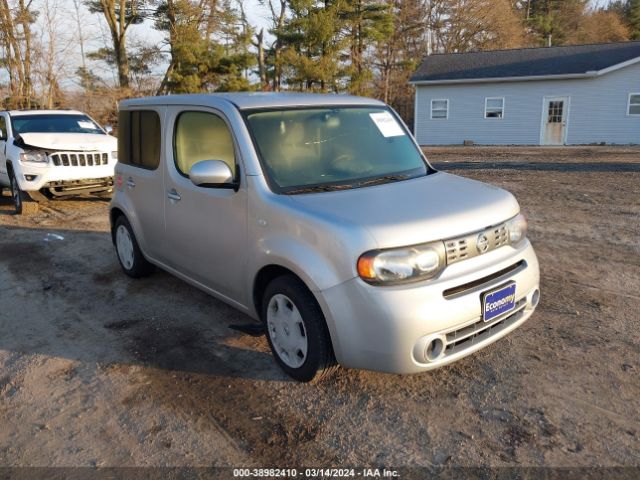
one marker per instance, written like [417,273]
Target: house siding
[597,111]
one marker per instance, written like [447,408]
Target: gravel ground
[99,370]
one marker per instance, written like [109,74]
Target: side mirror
[2,135]
[212,173]
[108,129]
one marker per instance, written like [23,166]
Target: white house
[573,95]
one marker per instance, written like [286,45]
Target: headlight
[517,228]
[35,157]
[114,155]
[400,265]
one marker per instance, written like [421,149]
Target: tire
[22,202]
[296,330]
[128,252]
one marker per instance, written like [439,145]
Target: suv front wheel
[296,330]
[22,202]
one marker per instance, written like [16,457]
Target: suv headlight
[517,228]
[401,265]
[34,157]
[114,154]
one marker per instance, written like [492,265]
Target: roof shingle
[525,62]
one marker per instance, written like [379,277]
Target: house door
[555,115]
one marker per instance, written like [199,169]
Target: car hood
[70,141]
[433,207]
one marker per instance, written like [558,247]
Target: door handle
[173,195]
[130,183]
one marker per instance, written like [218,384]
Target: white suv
[53,153]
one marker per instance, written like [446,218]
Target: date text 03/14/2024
[315,473]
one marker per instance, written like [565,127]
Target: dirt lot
[99,370]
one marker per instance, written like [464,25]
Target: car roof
[254,100]
[17,113]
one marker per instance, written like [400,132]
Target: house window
[440,109]
[634,104]
[494,107]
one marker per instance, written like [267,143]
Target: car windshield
[54,123]
[322,149]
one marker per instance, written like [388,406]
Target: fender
[301,259]
[305,262]
[124,205]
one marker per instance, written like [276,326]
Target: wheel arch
[114,214]
[265,275]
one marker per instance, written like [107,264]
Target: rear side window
[202,136]
[139,138]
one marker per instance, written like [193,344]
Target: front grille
[456,250]
[500,236]
[461,248]
[79,159]
[469,335]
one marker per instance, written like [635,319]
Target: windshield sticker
[387,125]
[85,124]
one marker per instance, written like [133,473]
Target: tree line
[363,47]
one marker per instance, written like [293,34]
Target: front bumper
[33,177]
[389,328]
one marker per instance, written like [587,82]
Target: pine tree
[553,21]
[311,45]
[208,47]
[397,55]
[119,15]
[364,22]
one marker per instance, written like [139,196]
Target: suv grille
[79,159]
[461,248]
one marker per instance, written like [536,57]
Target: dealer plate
[498,301]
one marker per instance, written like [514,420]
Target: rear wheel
[296,330]
[129,255]
[22,202]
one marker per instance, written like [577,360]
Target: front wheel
[296,330]
[22,202]
[129,255]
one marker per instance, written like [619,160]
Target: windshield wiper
[381,180]
[348,186]
[319,188]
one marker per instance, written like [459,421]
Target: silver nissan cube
[319,216]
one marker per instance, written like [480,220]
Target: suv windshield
[306,150]
[54,123]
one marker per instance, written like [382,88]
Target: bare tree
[16,39]
[258,44]
[48,66]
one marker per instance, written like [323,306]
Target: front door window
[555,111]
